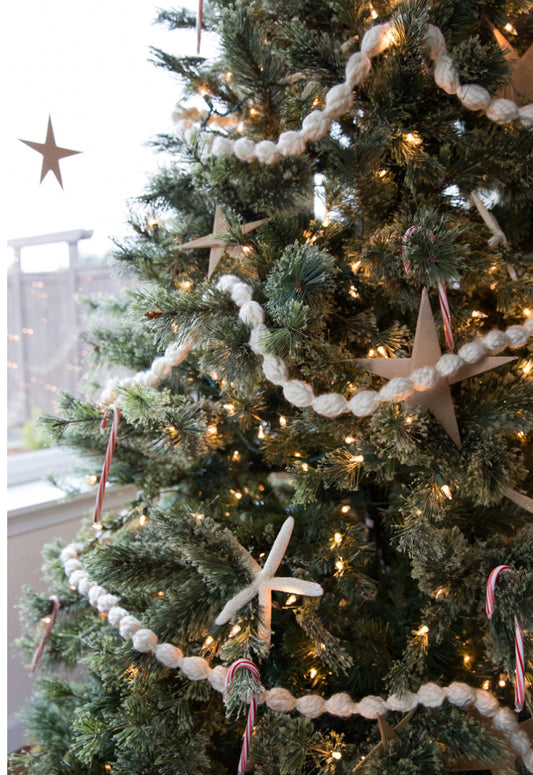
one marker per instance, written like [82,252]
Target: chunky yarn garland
[299,393]
[281,700]
[339,100]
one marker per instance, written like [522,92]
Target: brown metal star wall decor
[51,153]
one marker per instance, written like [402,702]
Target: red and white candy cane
[107,462]
[443,296]
[199,22]
[50,621]
[247,737]
[518,636]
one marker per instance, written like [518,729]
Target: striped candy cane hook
[247,737]
[519,692]
[199,22]
[107,463]
[443,296]
[50,621]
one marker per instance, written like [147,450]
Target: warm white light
[282,421]
[423,631]
[198,516]
[382,351]
[526,311]
[312,672]
[142,520]
[353,292]
[477,314]
[502,682]
[235,631]
[236,455]
[509,28]
[305,468]
[349,440]
[467,658]
[97,526]
[447,492]
[345,509]
[161,593]
[526,368]
[211,429]
[413,138]
[486,685]
[371,353]
[336,755]
[254,112]
[230,409]
[207,642]
[373,12]
[48,619]
[409,419]
[355,266]
[339,565]
[337,538]
[357,458]
[91,479]
[290,600]
[260,433]
[185,285]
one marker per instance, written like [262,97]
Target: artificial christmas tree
[328,472]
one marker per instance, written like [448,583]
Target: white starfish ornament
[265,582]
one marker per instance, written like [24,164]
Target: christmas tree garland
[300,394]
[280,700]
[339,99]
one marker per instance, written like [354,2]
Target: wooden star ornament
[219,246]
[51,153]
[388,734]
[426,352]
[264,582]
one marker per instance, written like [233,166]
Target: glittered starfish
[426,352]
[265,582]
[51,152]
[218,246]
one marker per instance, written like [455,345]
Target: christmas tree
[325,413]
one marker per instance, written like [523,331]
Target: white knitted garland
[339,99]
[281,700]
[299,393]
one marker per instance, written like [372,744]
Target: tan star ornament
[51,152]
[219,246]
[388,734]
[426,352]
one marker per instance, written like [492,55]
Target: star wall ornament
[426,352]
[219,246]
[388,734]
[51,153]
[265,582]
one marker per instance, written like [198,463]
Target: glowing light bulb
[142,520]
[235,631]
[336,755]
[349,440]
[467,659]
[260,433]
[413,138]
[446,491]
[339,565]
[353,292]
[345,509]
[382,351]
[477,314]
[312,672]
[230,409]
[254,112]
[509,28]
[161,594]
[371,353]
[48,619]
[297,454]
[486,685]
[211,430]
[526,368]
[282,421]
[423,631]
[305,467]
[198,517]
[337,538]
[357,458]
[526,311]
[185,285]
[355,266]
[91,479]
[238,495]
[207,642]
[108,768]
[236,455]
[97,526]
[373,12]
[409,419]
[502,682]
[290,600]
